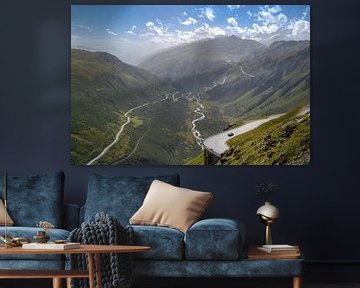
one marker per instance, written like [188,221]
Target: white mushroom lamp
[268,214]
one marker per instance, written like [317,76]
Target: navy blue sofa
[210,248]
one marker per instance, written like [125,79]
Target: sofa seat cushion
[214,239]
[119,196]
[166,243]
[29,232]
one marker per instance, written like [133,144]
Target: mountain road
[217,143]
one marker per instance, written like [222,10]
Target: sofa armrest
[215,239]
[71,216]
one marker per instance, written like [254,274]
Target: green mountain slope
[283,141]
[273,81]
[103,88]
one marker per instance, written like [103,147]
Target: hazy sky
[131,32]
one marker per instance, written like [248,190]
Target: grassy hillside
[103,88]
[283,141]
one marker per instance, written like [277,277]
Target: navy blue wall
[318,202]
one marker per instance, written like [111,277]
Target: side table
[289,259]
[93,251]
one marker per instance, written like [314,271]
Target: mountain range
[234,79]
[190,66]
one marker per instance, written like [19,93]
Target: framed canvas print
[190,84]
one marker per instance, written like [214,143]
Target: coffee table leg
[57,283]
[91,270]
[297,282]
[98,270]
[68,282]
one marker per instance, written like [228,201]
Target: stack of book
[274,252]
[279,249]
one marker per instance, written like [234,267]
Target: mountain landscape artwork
[190,84]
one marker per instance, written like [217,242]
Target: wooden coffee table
[92,251]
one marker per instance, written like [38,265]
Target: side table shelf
[255,255]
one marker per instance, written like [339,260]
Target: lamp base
[268,237]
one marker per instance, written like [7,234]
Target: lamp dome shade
[269,211]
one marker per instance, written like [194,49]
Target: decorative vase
[268,214]
[41,237]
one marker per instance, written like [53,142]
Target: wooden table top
[92,249]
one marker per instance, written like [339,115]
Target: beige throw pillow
[170,206]
[9,221]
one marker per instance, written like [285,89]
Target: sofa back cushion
[35,198]
[120,196]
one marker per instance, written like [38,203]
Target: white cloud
[111,32]
[233,7]
[265,29]
[203,32]
[208,31]
[282,19]
[232,21]
[236,30]
[84,27]
[305,13]
[208,13]
[159,21]
[300,30]
[275,9]
[184,13]
[271,15]
[132,30]
[189,21]
[156,30]
[270,25]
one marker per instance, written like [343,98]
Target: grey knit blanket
[116,268]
